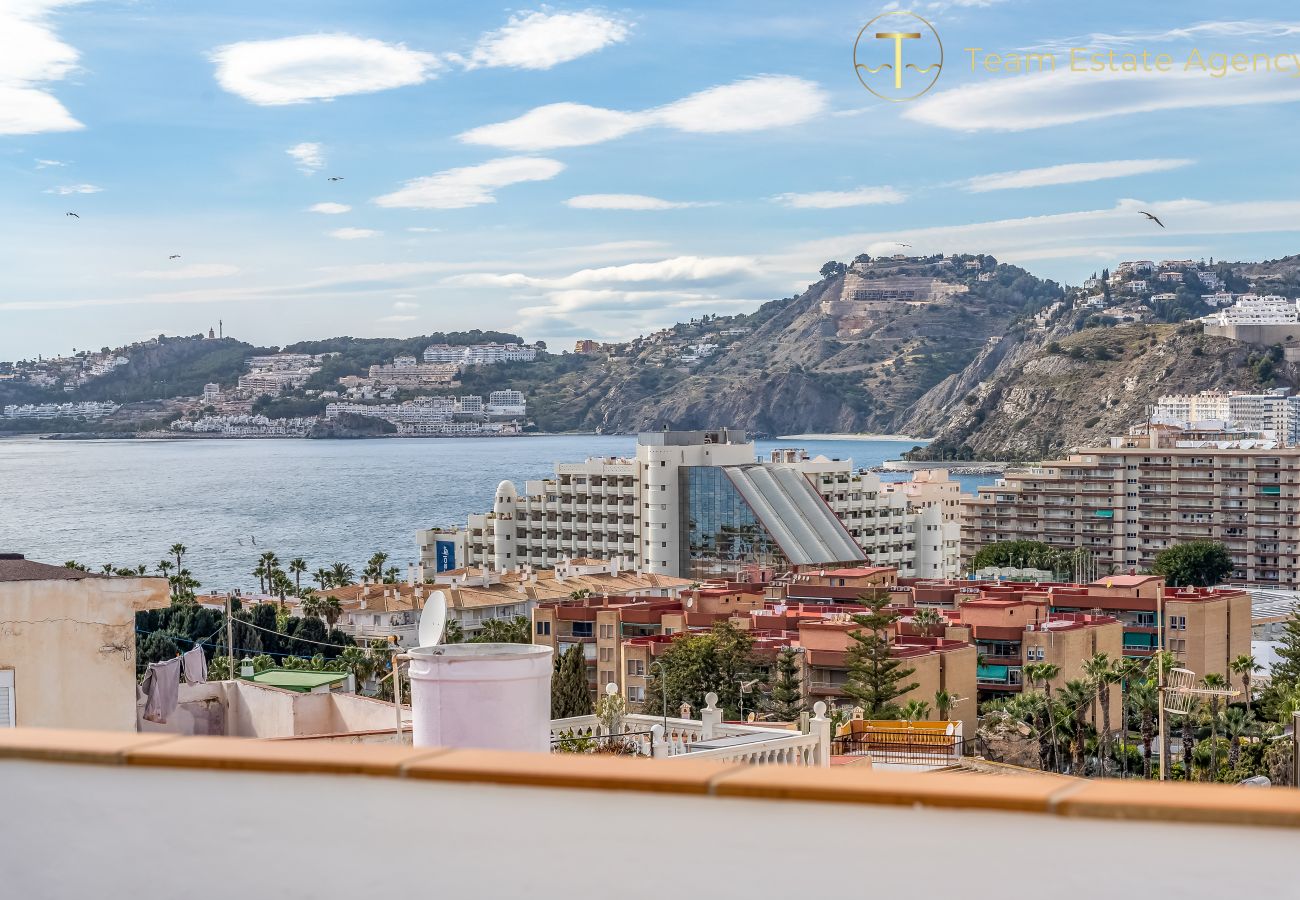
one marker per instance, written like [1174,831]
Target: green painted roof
[297,679]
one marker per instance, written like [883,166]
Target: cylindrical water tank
[496,696]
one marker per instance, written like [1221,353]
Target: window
[636,667]
[607,631]
[544,629]
[606,654]
[1178,623]
[606,677]
[636,694]
[582,629]
[7,713]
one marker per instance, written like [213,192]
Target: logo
[880,50]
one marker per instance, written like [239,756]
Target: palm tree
[1101,672]
[260,571]
[341,574]
[1189,744]
[164,566]
[453,633]
[297,566]
[1245,666]
[1076,696]
[331,609]
[1044,674]
[915,711]
[374,570]
[505,631]
[943,702]
[1236,725]
[311,606]
[1126,669]
[107,568]
[322,578]
[1214,682]
[1145,702]
[926,619]
[178,550]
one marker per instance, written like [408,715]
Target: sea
[126,502]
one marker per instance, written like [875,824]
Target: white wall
[446,839]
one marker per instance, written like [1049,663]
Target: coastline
[852,437]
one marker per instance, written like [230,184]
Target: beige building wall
[1070,648]
[1215,633]
[953,671]
[71,646]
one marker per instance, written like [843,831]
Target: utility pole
[230,640]
[1160,679]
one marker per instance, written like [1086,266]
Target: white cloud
[1064,98]
[194,270]
[317,67]
[329,209]
[866,196]
[470,185]
[1254,30]
[310,156]
[751,104]
[422,229]
[541,39]
[405,305]
[557,125]
[47,163]
[398,318]
[1071,173]
[677,270]
[626,201]
[31,56]
[354,234]
[1089,234]
[64,189]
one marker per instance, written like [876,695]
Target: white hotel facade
[699,504]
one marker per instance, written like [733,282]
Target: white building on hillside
[1252,309]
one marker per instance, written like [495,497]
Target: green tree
[570,695]
[322,578]
[331,609]
[453,633]
[785,702]
[1076,696]
[374,568]
[1245,666]
[915,711]
[504,631]
[341,574]
[696,663]
[943,702]
[1215,682]
[1194,564]
[297,566]
[926,621]
[178,551]
[1014,554]
[1042,675]
[875,676]
[1101,673]
[1144,701]
[1237,725]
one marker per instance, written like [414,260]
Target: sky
[574,171]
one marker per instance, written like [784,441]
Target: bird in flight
[336,178]
[74,215]
[1152,218]
[174,256]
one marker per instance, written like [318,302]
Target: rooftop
[16,567]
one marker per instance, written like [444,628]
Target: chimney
[410,574]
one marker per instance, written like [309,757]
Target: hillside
[854,352]
[1040,395]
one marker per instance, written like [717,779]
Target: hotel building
[700,505]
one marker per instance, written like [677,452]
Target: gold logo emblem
[879,51]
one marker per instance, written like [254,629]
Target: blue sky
[571,171]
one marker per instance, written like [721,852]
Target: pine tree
[874,675]
[1287,670]
[786,700]
[570,695]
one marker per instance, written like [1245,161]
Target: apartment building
[700,504]
[480,354]
[1252,309]
[1275,411]
[413,377]
[1127,502]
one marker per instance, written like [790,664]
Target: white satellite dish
[433,619]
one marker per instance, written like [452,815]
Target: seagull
[1152,218]
[74,215]
[335,178]
[174,256]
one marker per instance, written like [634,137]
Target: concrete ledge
[1097,799]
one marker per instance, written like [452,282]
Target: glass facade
[721,532]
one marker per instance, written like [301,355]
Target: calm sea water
[126,502]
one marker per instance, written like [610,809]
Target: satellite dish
[433,619]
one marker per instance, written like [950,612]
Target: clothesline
[240,649]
